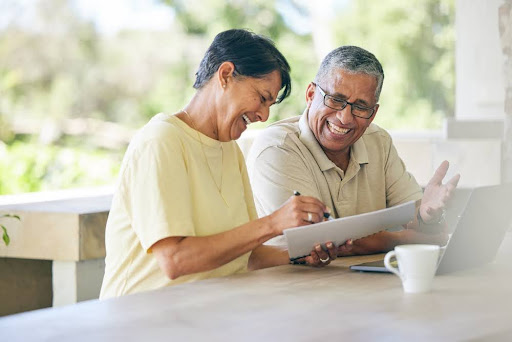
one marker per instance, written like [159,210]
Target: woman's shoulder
[161,126]
[162,131]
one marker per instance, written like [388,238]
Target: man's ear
[225,74]
[310,93]
[374,114]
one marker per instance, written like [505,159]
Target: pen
[326,215]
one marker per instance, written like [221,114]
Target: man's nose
[345,115]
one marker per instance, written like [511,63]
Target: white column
[480,85]
[506,44]
[75,281]
[475,135]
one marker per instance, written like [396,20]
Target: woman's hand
[319,257]
[297,211]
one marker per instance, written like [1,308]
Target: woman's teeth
[337,130]
[246,119]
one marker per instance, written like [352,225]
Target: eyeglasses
[339,104]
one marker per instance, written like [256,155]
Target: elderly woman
[183,209]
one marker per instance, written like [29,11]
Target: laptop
[479,231]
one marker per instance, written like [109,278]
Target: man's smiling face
[336,130]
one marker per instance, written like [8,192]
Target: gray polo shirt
[286,156]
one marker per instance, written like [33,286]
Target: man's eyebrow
[362,102]
[358,101]
[339,96]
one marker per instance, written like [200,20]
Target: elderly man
[333,152]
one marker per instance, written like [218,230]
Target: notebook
[478,232]
[301,240]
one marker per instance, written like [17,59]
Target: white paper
[301,240]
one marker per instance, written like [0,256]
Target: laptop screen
[480,222]
[480,229]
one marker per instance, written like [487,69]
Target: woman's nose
[263,113]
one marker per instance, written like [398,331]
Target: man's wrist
[434,222]
[399,238]
[432,227]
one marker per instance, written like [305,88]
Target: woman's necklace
[219,186]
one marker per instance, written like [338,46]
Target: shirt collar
[358,151]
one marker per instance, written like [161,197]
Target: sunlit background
[77,77]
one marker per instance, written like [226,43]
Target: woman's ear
[225,73]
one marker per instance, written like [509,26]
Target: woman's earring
[223,86]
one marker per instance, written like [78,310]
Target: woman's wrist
[270,226]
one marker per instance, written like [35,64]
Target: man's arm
[433,230]
[386,241]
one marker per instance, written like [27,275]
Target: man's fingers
[315,259]
[453,182]
[450,188]
[331,250]
[310,260]
[357,247]
[323,255]
[434,212]
[440,173]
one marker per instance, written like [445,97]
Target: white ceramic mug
[417,266]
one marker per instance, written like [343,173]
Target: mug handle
[387,263]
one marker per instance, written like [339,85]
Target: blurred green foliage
[61,69]
[415,44]
[5,233]
[25,167]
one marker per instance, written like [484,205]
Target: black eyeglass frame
[344,104]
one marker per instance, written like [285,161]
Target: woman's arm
[178,256]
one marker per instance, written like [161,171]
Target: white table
[291,303]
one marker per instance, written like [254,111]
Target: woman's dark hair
[253,56]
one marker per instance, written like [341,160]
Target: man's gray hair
[354,60]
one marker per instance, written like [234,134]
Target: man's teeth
[336,129]
[246,119]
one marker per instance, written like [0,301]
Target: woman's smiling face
[249,101]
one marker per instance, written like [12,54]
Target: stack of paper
[301,240]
